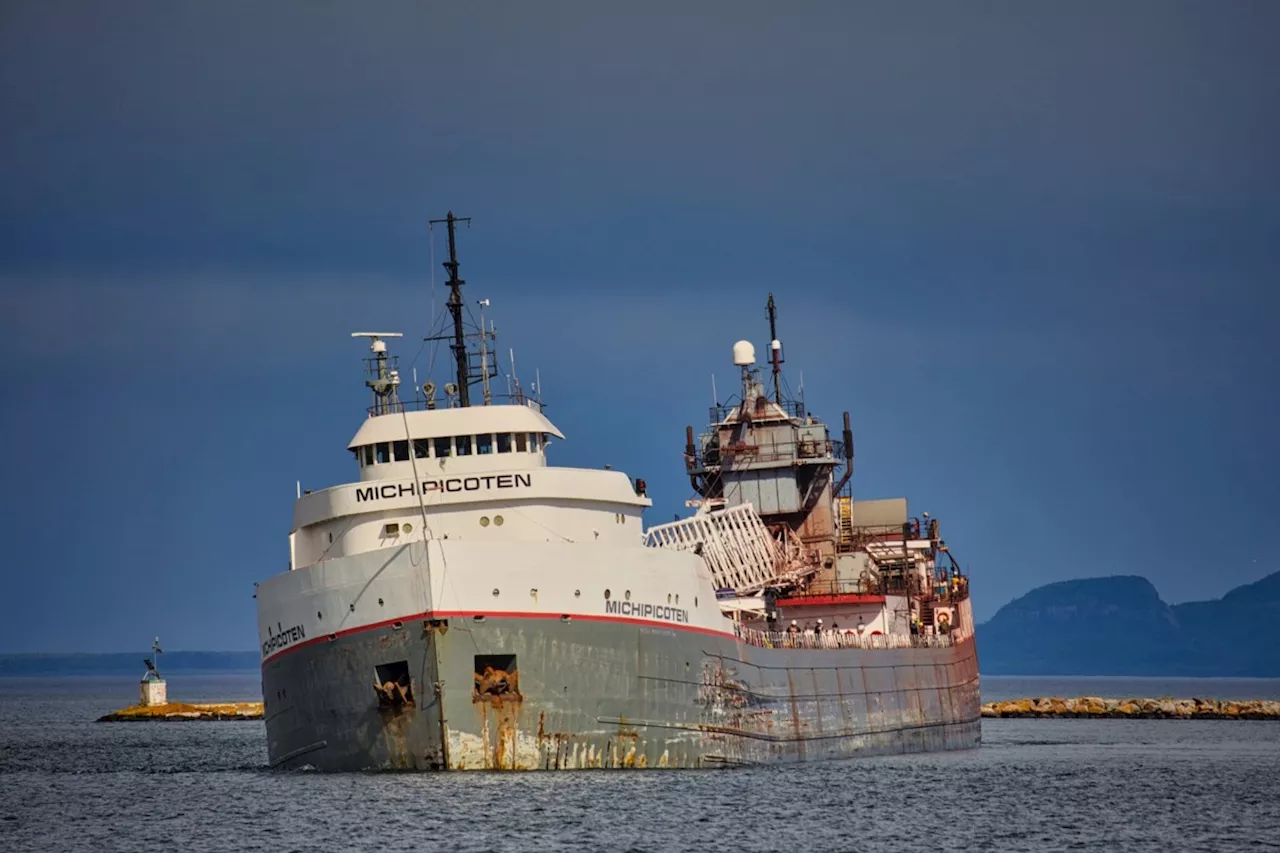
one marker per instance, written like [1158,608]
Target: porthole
[677,598]
[353,608]
[628,595]
[668,598]
[695,601]
[484,521]
[495,592]
[330,537]
[379,602]
[533,593]
[497,520]
[606,595]
[577,593]
[407,528]
[319,615]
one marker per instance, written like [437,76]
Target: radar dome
[744,354]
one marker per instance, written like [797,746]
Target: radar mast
[775,351]
[459,343]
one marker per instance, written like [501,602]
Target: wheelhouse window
[484,444]
[444,447]
[368,454]
[421,448]
[504,442]
[401,450]
[462,444]
[522,442]
[382,452]
[535,442]
[355,451]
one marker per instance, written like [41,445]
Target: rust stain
[795,714]
[628,741]
[499,690]
[844,703]
[554,747]
[397,743]
[817,699]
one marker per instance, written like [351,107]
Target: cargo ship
[464,604]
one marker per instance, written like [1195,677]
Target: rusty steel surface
[525,694]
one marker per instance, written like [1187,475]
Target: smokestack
[691,459]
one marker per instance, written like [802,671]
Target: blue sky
[1032,248]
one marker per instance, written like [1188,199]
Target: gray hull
[609,694]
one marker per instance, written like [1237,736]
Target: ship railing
[421,404]
[793,408]
[885,585]
[844,639]
[780,452]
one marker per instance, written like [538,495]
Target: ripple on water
[1037,785]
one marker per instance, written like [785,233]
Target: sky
[1032,248]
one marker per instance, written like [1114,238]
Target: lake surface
[69,784]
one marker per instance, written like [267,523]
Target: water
[68,784]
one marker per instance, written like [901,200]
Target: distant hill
[125,662]
[1119,626]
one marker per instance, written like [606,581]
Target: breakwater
[1136,709]
[182,712]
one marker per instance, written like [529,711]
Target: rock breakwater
[181,711]
[1136,709]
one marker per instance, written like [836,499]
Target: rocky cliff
[1119,626]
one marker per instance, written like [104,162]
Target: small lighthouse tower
[153,689]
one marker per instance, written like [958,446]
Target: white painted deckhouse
[464,604]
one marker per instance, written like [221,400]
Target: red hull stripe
[455,614]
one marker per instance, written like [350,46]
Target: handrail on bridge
[420,404]
[845,639]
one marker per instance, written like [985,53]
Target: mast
[775,351]
[459,344]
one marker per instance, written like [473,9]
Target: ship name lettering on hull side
[646,611]
[452,484]
[285,637]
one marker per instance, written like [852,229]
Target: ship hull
[590,692]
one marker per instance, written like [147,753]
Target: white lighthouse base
[154,692]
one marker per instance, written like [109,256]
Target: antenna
[386,379]
[484,351]
[515,378]
[153,663]
[775,351]
[459,345]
